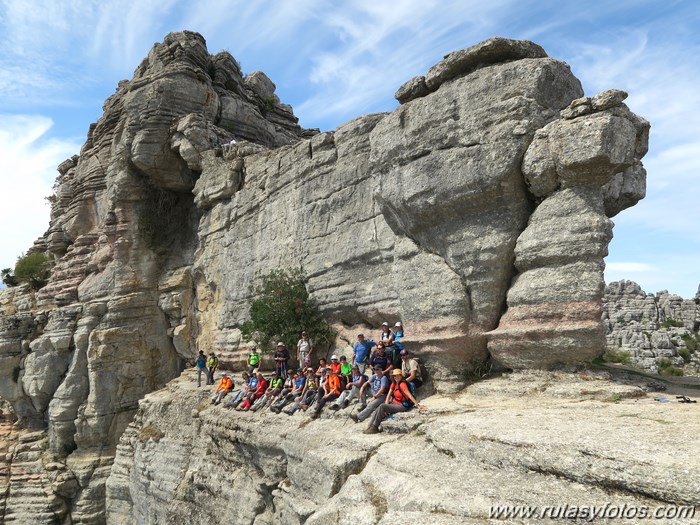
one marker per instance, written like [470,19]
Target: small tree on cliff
[33,268]
[282,308]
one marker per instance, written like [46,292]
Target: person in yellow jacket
[225,386]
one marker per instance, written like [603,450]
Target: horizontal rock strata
[476,213]
[641,329]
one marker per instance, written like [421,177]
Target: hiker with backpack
[254,359]
[213,364]
[411,369]
[201,365]
[399,399]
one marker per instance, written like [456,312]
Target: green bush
[666,368]
[33,268]
[672,323]
[621,357]
[281,309]
[691,341]
[685,354]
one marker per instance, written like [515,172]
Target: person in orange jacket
[224,387]
[329,392]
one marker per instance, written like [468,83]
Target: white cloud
[29,169]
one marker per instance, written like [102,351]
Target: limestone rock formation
[476,213]
[528,438]
[649,327]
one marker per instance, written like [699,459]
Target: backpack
[407,403]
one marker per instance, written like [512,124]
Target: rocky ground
[525,438]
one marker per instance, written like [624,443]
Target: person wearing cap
[399,399]
[379,385]
[304,348]
[213,364]
[411,369]
[328,392]
[361,351]
[281,358]
[202,368]
[335,365]
[224,387]
[387,336]
[254,358]
[352,389]
[398,335]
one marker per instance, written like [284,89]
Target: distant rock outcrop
[476,213]
[643,329]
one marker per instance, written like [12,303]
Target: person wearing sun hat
[281,358]
[399,399]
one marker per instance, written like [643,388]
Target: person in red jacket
[329,391]
[399,399]
[263,385]
[224,387]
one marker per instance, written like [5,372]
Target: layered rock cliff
[476,212]
[643,329]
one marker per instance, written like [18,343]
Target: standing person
[254,359]
[398,335]
[202,367]
[213,364]
[399,399]
[360,352]
[387,336]
[304,349]
[281,358]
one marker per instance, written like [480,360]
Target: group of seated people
[389,386]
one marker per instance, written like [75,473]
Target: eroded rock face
[476,213]
[642,329]
[535,431]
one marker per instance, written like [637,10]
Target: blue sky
[333,61]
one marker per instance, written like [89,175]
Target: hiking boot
[314,415]
[371,430]
[354,418]
[345,404]
[334,407]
